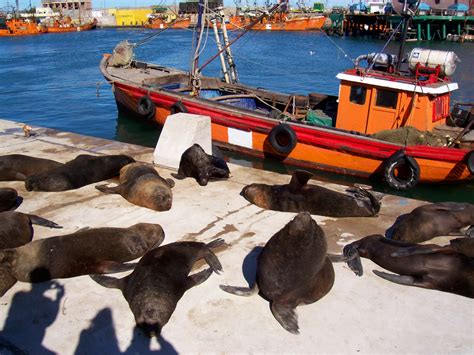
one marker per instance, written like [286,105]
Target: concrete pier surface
[77,316]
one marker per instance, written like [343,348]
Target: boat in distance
[345,134]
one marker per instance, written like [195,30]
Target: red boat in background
[345,134]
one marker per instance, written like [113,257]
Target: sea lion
[459,245]
[196,163]
[447,271]
[18,167]
[16,228]
[91,251]
[141,185]
[432,220]
[160,279]
[293,269]
[8,198]
[298,196]
[83,170]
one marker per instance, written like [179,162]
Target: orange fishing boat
[67,25]
[164,22]
[284,21]
[341,133]
[19,27]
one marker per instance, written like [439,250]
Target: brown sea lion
[298,196]
[160,279]
[447,271]
[432,220]
[459,245]
[16,228]
[18,167]
[91,251]
[293,269]
[83,170]
[8,198]
[201,166]
[141,185]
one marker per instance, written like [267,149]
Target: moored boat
[19,27]
[339,134]
[67,25]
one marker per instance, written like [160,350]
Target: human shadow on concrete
[30,314]
[249,265]
[100,338]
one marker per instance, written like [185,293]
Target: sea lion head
[48,182]
[151,235]
[258,194]
[152,310]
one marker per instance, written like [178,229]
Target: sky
[137,3]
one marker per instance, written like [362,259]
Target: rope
[338,47]
[58,87]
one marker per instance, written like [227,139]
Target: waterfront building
[75,9]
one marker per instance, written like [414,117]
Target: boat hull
[317,148]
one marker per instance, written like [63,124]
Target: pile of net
[122,55]
[411,136]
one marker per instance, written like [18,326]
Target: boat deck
[363,315]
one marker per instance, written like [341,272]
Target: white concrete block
[180,132]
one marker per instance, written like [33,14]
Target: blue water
[53,80]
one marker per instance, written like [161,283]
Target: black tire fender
[397,160]
[470,161]
[283,138]
[178,107]
[146,107]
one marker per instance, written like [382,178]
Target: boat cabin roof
[397,82]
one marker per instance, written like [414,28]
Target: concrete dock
[77,316]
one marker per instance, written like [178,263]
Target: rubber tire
[470,161]
[146,107]
[177,108]
[396,160]
[288,133]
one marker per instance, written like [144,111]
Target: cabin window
[358,94]
[386,98]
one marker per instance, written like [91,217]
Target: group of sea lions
[293,267]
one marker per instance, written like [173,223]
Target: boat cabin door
[353,107]
[383,112]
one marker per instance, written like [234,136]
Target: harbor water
[53,80]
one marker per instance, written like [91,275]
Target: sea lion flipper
[240,291]
[286,316]
[108,190]
[299,179]
[170,183]
[7,280]
[179,175]
[40,221]
[215,243]
[11,175]
[398,279]
[354,263]
[109,282]
[198,278]
[338,258]
[213,261]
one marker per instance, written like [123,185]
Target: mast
[408,10]
[194,73]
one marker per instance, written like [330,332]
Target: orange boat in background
[280,22]
[19,27]
[159,23]
[67,25]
